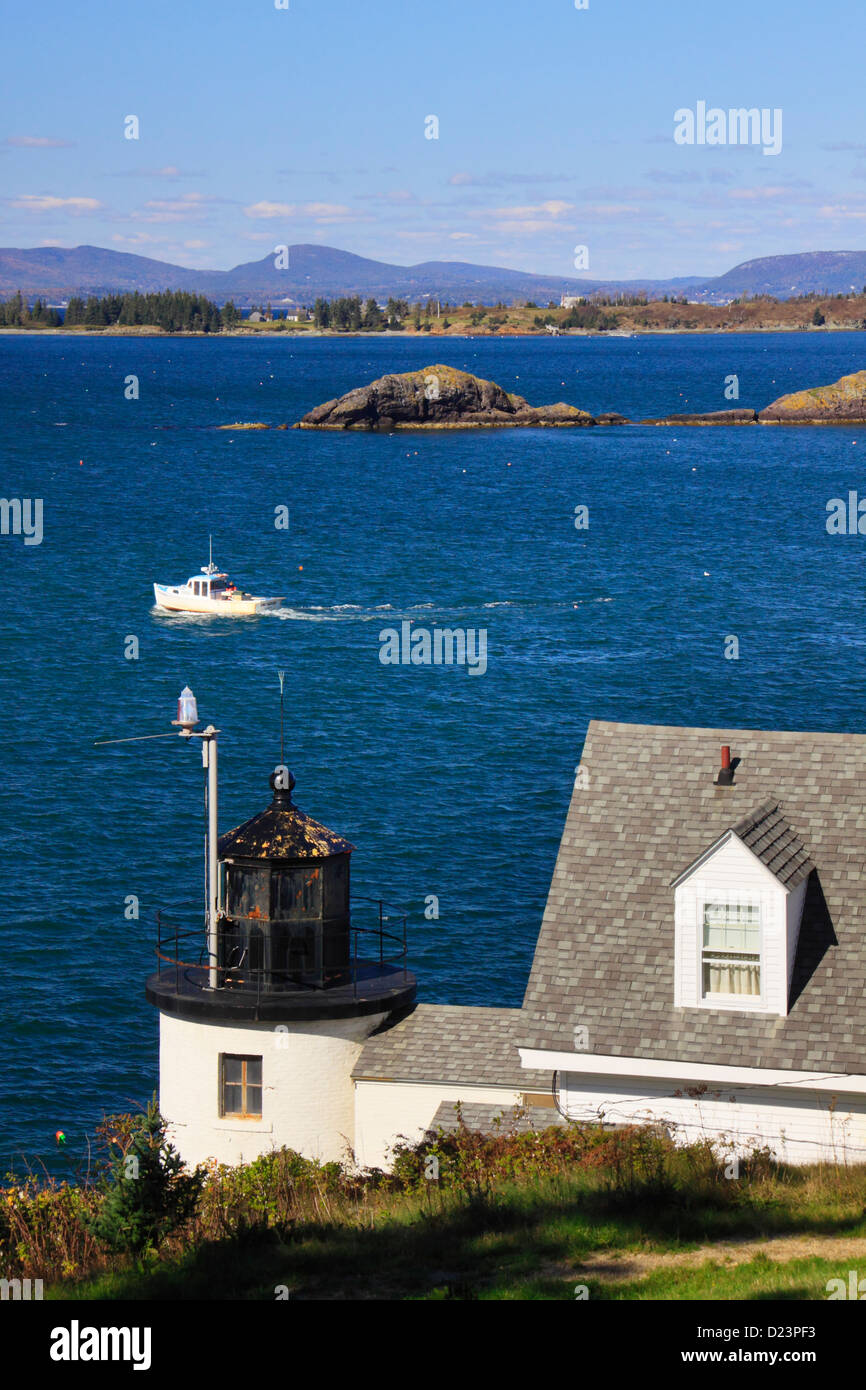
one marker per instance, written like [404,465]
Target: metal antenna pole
[282,676]
[209,759]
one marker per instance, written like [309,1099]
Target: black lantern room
[287,945]
[285,899]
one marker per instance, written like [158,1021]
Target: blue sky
[261,126]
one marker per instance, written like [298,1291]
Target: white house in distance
[701,963]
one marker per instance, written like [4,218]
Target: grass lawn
[539,1240]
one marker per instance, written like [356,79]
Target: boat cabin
[206,585]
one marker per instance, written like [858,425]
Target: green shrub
[146,1194]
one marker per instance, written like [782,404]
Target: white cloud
[841,212]
[327,212]
[44,202]
[496,179]
[323,213]
[37,142]
[188,207]
[768,192]
[270,210]
[554,207]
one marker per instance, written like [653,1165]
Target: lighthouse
[265,1008]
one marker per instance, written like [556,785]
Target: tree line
[17,313]
[175,311]
[353,316]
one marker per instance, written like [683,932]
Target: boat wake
[179,615]
[354,612]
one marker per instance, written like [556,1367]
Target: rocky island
[843,403]
[711,417]
[438,398]
[443,398]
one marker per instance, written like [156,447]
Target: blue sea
[448,784]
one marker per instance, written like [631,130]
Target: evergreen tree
[146,1194]
[395,312]
[372,315]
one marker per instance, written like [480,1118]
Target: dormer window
[731,952]
[737,911]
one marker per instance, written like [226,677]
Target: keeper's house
[701,963]
[701,960]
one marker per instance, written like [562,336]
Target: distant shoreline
[144,331]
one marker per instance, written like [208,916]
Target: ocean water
[447,783]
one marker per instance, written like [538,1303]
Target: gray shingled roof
[453,1043]
[768,835]
[770,838]
[605,954]
[495,1119]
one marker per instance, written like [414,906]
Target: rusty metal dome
[282,831]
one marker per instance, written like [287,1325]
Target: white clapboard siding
[386,1112]
[798,1125]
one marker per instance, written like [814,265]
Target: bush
[146,1194]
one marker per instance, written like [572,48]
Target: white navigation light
[187,710]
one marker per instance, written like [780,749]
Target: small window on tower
[241,1087]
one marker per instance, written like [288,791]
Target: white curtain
[732,977]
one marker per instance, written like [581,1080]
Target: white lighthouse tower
[264,1010]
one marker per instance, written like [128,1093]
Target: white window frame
[734,1002]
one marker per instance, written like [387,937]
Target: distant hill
[61,271]
[313,270]
[58,272]
[784,277]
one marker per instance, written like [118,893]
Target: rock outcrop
[710,417]
[437,398]
[843,403]
[443,398]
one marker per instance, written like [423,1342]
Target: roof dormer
[737,912]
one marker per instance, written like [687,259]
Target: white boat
[211,591]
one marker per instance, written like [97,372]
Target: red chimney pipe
[726,772]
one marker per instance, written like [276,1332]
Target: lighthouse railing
[184,951]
